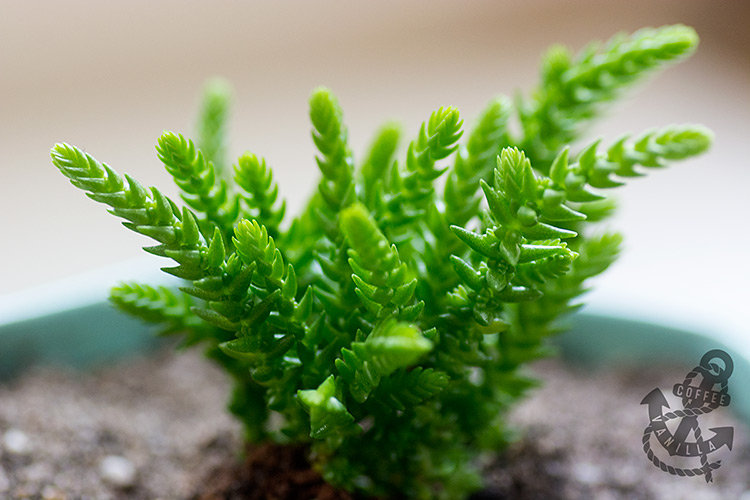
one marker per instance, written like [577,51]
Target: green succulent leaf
[260,192]
[196,177]
[327,413]
[391,345]
[574,88]
[212,123]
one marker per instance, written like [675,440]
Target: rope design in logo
[705,468]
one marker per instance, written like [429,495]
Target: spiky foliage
[475,161]
[377,164]
[211,128]
[406,195]
[573,88]
[260,192]
[388,326]
[200,187]
[163,306]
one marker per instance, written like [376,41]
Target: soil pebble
[16,442]
[118,471]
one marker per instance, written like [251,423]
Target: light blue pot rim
[81,330]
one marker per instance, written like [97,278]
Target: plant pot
[600,341]
[92,333]
[69,322]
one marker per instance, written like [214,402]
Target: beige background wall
[109,77]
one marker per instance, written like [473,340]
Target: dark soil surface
[156,428]
[268,471]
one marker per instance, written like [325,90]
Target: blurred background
[109,77]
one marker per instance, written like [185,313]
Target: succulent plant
[387,326]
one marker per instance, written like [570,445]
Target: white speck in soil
[16,442]
[587,473]
[118,471]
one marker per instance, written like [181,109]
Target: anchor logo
[704,389]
